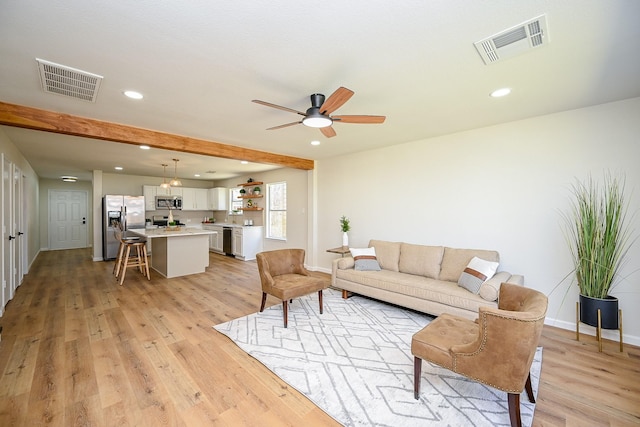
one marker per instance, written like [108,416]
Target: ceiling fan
[318,115]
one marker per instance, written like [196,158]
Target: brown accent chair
[283,275]
[497,349]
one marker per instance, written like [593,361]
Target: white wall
[297,209]
[501,187]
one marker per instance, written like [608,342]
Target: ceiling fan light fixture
[317,120]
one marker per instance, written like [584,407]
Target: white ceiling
[200,63]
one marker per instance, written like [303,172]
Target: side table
[342,250]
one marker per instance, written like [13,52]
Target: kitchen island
[178,252]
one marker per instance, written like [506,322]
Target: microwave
[169,202]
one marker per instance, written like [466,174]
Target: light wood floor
[77,349]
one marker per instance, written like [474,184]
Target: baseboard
[613,335]
[98,258]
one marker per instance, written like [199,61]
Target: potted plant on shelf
[345,227]
[256,191]
[242,192]
[599,239]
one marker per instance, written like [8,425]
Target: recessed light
[68,178]
[316,142]
[244,162]
[145,147]
[500,92]
[133,94]
[118,168]
[196,175]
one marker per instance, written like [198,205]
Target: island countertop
[177,253]
[150,233]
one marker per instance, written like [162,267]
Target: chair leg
[125,261]
[285,312]
[320,299]
[146,261]
[529,389]
[514,410]
[264,301]
[417,370]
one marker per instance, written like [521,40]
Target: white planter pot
[345,239]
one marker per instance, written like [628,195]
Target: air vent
[514,41]
[67,81]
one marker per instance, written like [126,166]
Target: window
[277,210]
[235,204]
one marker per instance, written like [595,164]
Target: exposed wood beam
[49,121]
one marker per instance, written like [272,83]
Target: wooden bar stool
[131,253]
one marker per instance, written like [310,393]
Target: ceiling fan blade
[329,132]
[279,107]
[284,126]
[360,119]
[336,100]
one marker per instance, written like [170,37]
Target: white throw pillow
[365,259]
[477,272]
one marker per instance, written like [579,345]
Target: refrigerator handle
[123,218]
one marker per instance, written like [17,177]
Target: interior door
[67,219]
[18,229]
[8,242]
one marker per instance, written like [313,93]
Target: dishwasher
[227,240]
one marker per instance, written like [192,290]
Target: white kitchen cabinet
[217,199]
[188,199]
[215,240]
[247,242]
[201,199]
[149,192]
[175,191]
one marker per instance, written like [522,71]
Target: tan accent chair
[283,275]
[497,349]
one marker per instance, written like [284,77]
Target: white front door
[67,219]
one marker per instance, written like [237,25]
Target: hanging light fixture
[164,184]
[175,182]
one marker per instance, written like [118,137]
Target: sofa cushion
[476,273]
[454,261]
[387,253]
[365,259]
[420,260]
[448,293]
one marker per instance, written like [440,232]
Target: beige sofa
[423,278]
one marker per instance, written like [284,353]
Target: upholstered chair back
[502,354]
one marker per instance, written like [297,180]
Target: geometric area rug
[354,362]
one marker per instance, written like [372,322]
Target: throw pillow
[365,259]
[477,272]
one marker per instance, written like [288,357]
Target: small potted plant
[345,227]
[242,192]
[256,191]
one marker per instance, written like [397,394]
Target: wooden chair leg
[529,389]
[125,261]
[264,301]
[146,261]
[417,370]
[320,299]
[285,312]
[345,295]
[514,409]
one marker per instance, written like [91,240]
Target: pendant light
[175,182]
[164,184]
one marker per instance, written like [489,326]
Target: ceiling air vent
[68,81]
[514,41]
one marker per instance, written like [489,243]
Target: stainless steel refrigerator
[124,212]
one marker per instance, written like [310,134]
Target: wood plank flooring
[79,350]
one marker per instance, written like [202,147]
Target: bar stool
[128,258]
